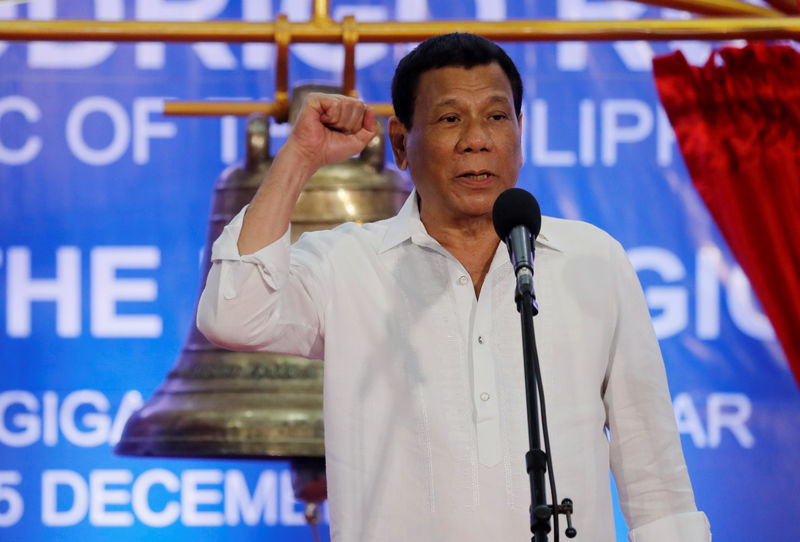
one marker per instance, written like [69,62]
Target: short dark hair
[455,49]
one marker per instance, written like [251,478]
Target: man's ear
[397,137]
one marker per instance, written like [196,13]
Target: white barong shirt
[424,395]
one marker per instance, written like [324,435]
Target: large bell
[219,403]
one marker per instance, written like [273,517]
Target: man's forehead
[447,81]
[493,98]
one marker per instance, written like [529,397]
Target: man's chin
[480,203]
[476,211]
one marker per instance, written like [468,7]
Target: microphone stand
[536,460]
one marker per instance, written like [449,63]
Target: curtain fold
[737,122]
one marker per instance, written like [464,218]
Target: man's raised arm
[328,129]
[252,300]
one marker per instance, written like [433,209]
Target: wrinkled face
[463,148]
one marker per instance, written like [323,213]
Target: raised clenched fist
[331,128]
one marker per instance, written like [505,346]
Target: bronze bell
[219,403]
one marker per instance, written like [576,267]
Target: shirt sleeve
[267,301]
[655,493]
[675,528]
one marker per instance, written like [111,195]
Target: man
[425,417]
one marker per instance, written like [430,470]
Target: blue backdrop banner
[103,211]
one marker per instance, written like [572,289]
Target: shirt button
[480,339]
[484,396]
[462,280]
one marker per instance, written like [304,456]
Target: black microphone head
[516,207]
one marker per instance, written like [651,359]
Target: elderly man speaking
[424,398]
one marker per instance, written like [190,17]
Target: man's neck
[472,242]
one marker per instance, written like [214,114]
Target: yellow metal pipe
[321,12]
[208,109]
[383,110]
[275,109]
[716,7]
[128,31]
[282,40]
[349,39]
[552,30]
[400,32]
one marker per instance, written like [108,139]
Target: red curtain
[737,122]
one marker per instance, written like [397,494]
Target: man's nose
[474,137]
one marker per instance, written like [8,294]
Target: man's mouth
[476,176]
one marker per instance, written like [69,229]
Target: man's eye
[450,118]
[499,116]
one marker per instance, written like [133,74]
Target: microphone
[517,220]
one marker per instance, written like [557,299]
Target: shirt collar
[407,225]
[404,225]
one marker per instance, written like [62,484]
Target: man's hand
[330,129]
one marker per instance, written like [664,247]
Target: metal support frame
[741,21]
